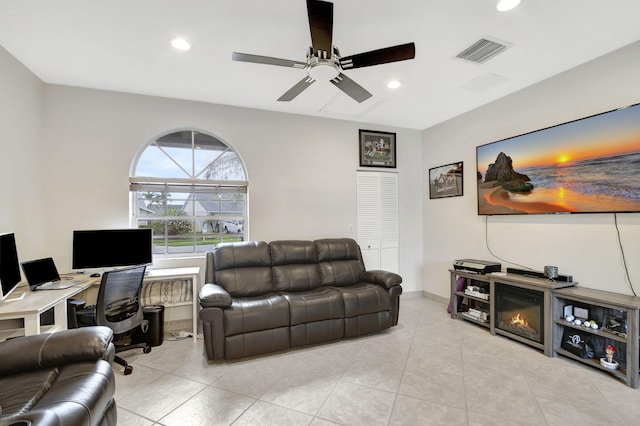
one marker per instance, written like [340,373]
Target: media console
[558,296]
[495,280]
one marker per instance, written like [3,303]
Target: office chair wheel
[146,349]
[128,370]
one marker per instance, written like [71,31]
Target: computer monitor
[9,267]
[108,248]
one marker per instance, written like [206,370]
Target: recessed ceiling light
[504,5]
[394,84]
[180,44]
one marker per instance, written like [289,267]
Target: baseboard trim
[435,297]
[421,293]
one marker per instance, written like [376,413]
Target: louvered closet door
[377,204]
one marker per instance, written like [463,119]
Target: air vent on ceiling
[481,51]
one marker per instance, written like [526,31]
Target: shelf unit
[472,301]
[542,285]
[601,303]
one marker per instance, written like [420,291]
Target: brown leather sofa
[62,378]
[263,297]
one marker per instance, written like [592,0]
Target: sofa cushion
[76,393]
[363,298]
[20,392]
[248,314]
[340,261]
[315,305]
[295,265]
[256,343]
[243,269]
[84,390]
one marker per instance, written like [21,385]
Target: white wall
[584,246]
[20,146]
[301,169]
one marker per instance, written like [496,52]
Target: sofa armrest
[55,349]
[385,279]
[33,417]
[214,296]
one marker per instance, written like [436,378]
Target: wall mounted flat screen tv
[108,248]
[589,165]
[9,266]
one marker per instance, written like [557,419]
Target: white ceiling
[123,45]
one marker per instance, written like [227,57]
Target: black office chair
[118,307]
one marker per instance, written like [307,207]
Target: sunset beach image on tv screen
[590,165]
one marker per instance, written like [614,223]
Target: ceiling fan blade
[351,88]
[246,57]
[321,26]
[297,89]
[401,52]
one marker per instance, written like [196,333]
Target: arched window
[191,189]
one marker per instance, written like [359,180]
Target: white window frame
[193,186]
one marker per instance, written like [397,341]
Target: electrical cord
[486,241]
[624,258]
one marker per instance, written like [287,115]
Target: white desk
[35,303]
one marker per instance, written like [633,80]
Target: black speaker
[538,274]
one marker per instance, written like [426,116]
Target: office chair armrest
[73,306]
[214,296]
[55,349]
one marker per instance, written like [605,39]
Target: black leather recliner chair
[62,378]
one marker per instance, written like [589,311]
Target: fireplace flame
[518,320]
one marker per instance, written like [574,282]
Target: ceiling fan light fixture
[394,84]
[506,5]
[180,44]
[323,71]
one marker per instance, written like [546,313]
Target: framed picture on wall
[446,181]
[377,149]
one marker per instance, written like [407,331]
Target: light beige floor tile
[127,418]
[251,378]
[582,408]
[616,391]
[357,405]
[429,384]
[412,411]
[263,413]
[510,398]
[138,381]
[161,397]
[322,422]
[379,374]
[500,367]
[305,392]
[167,357]
[481,419]
[211,406]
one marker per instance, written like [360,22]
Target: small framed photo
[567,311]
[377,149]
[446,181]
[582,313]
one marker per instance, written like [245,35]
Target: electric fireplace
[519,313]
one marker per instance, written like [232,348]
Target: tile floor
[429,369]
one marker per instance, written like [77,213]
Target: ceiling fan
[323,58]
